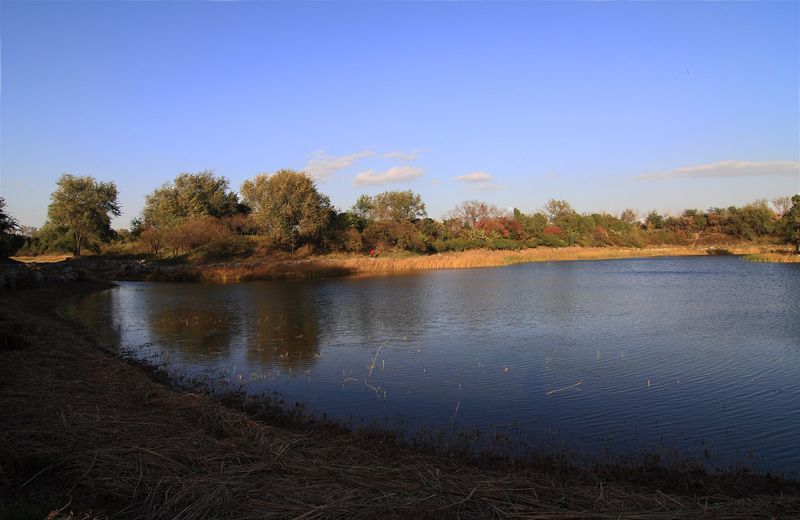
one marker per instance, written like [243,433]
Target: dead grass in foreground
[86,435]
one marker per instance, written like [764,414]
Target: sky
[659,106]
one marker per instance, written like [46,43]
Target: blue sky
[608,105]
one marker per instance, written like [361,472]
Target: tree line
[284,211]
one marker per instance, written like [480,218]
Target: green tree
[364,207]
[629,216]
[8,225]
[790,224]
[190,195]
[534,225]
[699,220]
[288,206]
[84,206]
[654,220]
[558,211]
[398,205]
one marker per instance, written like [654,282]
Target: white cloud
[398,174]
[402,156]
[726,169]
[322,167]
[550,176]
[473,177]
[477,181]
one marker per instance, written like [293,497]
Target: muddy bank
[85,431]
[15,276]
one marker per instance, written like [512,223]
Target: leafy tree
[629,216]
[394,234]
[502,227]
[84,206]
[190,195]
[699,220]
[27,231]
[398,205]
[50,238]
[751,221]
[557,211]
[654,220]
[790,224]
[193,233]
[288,206]
[8,225]
[364,208]
[534,225]
[586,225]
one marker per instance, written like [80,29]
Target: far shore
[286,266]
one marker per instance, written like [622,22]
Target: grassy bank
[276,267]
[784,256]
[329,266]
[85,432]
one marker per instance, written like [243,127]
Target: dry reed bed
[344,266]
[774,257]
[85,431]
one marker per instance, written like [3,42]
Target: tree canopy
[790,224]
[472,212]
[190,195]
[393,205]
[84,206]
[288,206]
[8,224]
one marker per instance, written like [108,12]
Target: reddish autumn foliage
[553,230]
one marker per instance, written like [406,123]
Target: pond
[699,355]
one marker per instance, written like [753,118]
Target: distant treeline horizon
[198,214]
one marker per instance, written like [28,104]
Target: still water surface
[701,354]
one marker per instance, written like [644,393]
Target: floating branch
[566,388]
[454,415]
[377,390]
[372,366]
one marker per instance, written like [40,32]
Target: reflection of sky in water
[684,352]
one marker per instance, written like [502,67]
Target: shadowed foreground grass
[87,435]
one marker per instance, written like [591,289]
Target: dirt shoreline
[83,431]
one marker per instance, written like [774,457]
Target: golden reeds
[322,267]
[774,257]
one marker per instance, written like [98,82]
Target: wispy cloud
[396,175]
[402,156]
[726,169]
[473,177]
[322,167]
[550,176]
[477,181]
